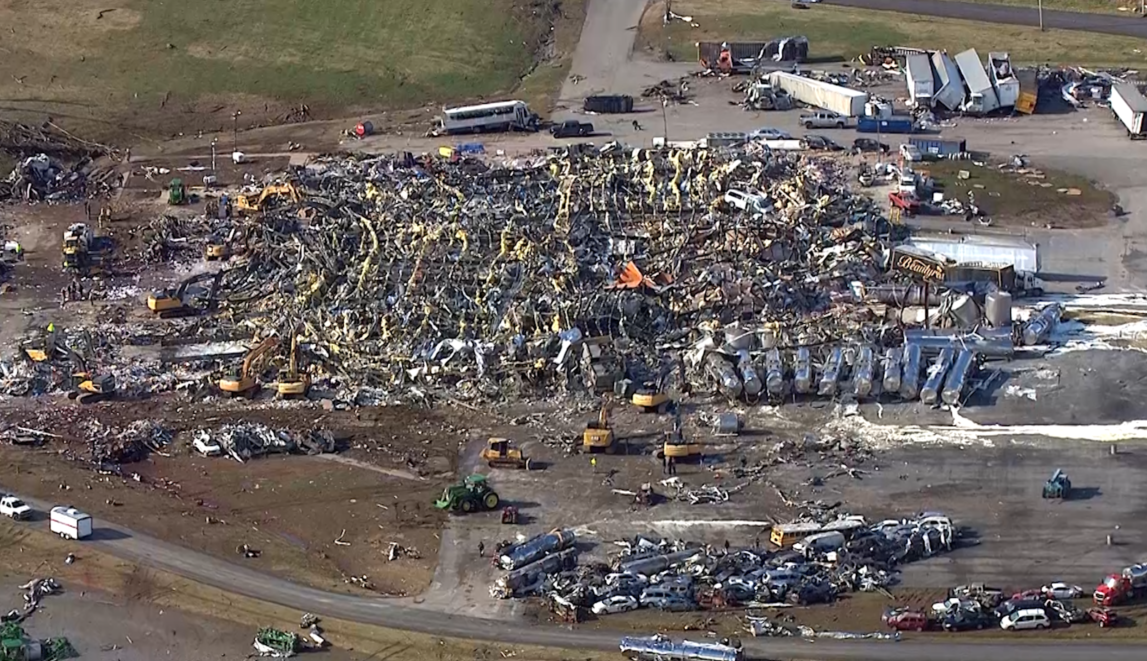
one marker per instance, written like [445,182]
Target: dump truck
[1128,105]
[501,453]
[471,495]
[598,435]
[1058,486]
[1127,585]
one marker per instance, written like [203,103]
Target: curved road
[1008,15]
[147,551]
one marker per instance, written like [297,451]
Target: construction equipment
[1059,486]
[294,382]
[501,453]
[176,193]
[676,446]
[42,347]
[77,246]
[598,435]
[276,642]
[510,515]
[253,203]
[216,248]
[92,389]
[171,303]
[472,495]
[243,383]
[651,400]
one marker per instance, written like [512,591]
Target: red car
[1028,594]
[906,620]
[905,203]
[1104,617]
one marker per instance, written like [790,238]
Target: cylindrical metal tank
[534,548]
[958,377]
[930,392]
[802,371]
[998,309]
[830,375]
[863,375]
[749,374]
[910,379]
[728,383]
[663,648]
[892,367]
[1042,325]
[774,373]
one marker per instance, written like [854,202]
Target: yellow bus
[784,536]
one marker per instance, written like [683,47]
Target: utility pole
[664,121]
[214,141]
[235,130]
[1041,13]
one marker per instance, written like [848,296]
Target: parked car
[821,143]
[615,604]
[672,604]
[1029,618]
[867,145]
[1013,605]
[823,119]
[1104,617]
[906,620]
[14,508]
[954,604]
[906,203]
[769,133]
[780,578]
[1062,591]
[964,620]
[911,153]
[571,129]
[812,592]
[1028,594]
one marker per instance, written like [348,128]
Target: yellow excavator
[598,435]
[92,389]
[293,382]
[676,445]
[243,382]
[651,400]
[171,303]
[252,204]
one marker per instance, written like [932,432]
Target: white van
[823,542]
[70,523]
[1029,618]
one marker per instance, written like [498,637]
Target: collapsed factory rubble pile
[829,558]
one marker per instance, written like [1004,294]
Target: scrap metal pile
[409,275]
[843,555]
[247,440]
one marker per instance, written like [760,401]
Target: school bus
[784,536]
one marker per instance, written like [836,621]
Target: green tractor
[1059,486]
[474,494]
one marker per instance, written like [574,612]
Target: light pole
[664,121]
[235,130]
[1041,13]
[214,141]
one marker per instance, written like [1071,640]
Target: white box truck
[920,83]
[1128,105]
[981,94]
[1004,79]
[840,100]
[70,523]
[949,85]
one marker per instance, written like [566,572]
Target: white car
[1029,618]
[748,201]
[14,508]
[205,446]
[769,133]
[1062,591]
[615,604]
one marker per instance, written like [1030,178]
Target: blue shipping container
[894,125]
[939,146]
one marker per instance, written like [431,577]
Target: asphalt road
[150,552]
[1008,15]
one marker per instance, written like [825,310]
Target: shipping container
[981,94]
[939,146]
[841,100]
[949,85]
[1128,106]
[608,103]
[920,83]
[890,125]
[1004,79]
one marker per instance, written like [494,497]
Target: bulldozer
[254,203]
[472,495]
[676,446]
[501,453]
[598,435]
[294,382]
[1059,486]
[171,303]
[77,246]
[92,389]
[243,382]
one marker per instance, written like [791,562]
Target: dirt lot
[291,508]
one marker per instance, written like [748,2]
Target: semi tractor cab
[1005,277]
[1125,586]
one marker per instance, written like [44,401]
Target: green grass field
[840,32]
[156,65]
[1120,7]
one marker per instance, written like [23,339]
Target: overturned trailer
[949,85]
[535,548]
[840,100]
[525,580]
[663,648]
[982,97]
[918,71]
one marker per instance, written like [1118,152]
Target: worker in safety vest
[51,328]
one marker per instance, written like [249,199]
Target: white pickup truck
[14,508]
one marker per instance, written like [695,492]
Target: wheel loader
[472,495]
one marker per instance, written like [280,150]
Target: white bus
[498,116]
